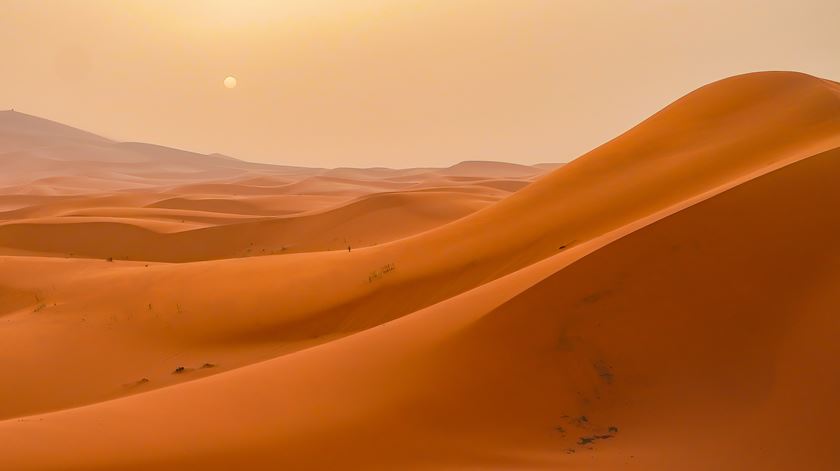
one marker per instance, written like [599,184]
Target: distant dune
[257,209]
[665,301]
[16,126]
[489,170]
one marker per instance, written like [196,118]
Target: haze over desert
[668,300]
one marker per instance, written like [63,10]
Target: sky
[393,83]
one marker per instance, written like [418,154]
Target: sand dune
[665,301]
[489,170]
[16,126]
[132,234]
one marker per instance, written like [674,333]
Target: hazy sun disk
[230,82]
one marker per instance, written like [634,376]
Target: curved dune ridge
[666,301]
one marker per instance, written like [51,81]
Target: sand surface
[667,301]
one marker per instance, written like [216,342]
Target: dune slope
[664,302]
[664,340]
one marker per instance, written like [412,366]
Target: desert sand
[666,301]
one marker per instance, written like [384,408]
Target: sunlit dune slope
[666,343]
[664,302]
[278,302]
[573,204]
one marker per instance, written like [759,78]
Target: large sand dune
[666,301]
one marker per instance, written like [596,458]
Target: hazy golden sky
[390,82]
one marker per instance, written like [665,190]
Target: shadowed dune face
[665,301]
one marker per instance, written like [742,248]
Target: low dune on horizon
[66,192]
[668,300]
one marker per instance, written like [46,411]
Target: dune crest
[666,301]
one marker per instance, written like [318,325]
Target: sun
[230,82]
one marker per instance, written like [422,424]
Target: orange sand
[666,301]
